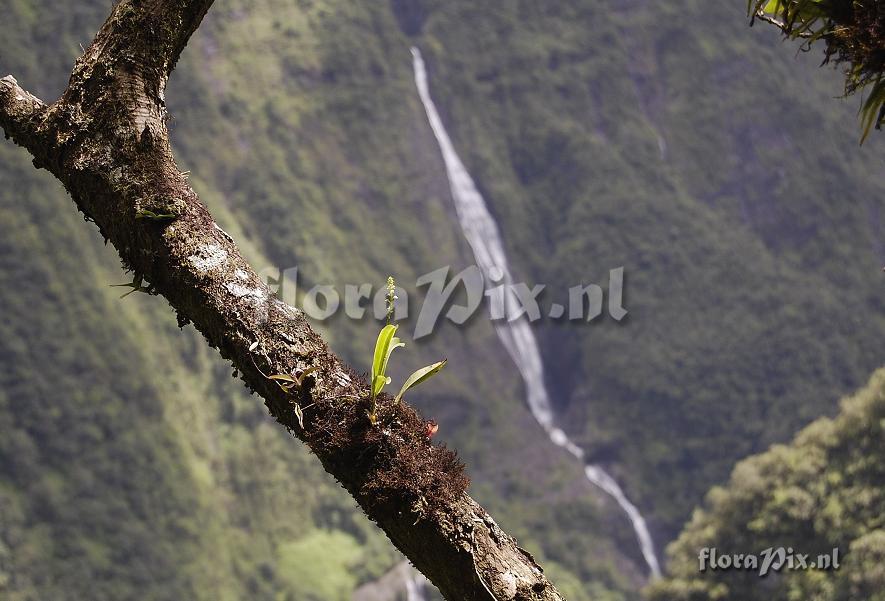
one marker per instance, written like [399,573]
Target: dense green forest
[822,491]
[668,138]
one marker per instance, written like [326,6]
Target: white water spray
[401,578]
[415,590]
[516,335]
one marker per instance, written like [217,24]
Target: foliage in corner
[823,491]
[854,34]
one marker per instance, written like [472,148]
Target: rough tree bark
[106,140]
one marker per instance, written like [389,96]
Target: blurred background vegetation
[822,491]
[668,138]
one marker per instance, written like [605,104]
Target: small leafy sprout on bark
[146,214]
[287,382]
[386,343]
[418,376]
[136,285]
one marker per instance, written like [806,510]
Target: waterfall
[401,578]
[484,238]
[415,587]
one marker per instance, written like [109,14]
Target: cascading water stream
[516,335]
[399,580]
[415,588]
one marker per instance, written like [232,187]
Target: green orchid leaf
[378,384]
[384,346]
[418,376]
[381,345]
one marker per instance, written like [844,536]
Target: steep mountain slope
[678,143]
[673,141]
[130,466]
[200,496]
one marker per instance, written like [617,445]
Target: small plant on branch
[386,343]
[137,285]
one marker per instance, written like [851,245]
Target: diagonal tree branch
[106,140]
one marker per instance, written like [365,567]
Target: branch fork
[106,140]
